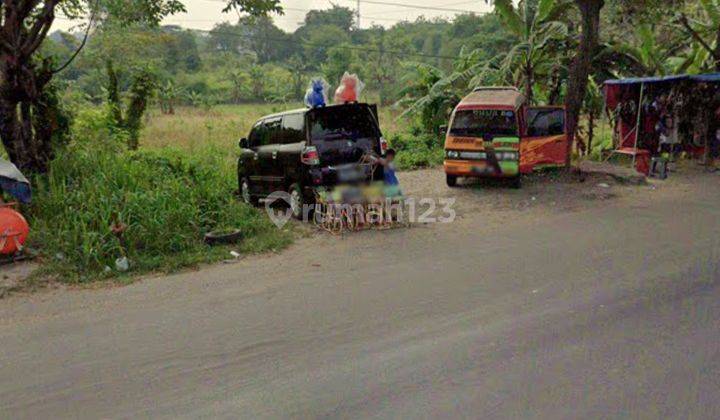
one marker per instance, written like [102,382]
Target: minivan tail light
[310,156]
[383,145]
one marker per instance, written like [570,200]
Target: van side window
[274,128]
[544,122]
[293,128]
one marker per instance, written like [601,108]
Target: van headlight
[453,154]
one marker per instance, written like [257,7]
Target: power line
[405,10]
[297,9]
[418,7]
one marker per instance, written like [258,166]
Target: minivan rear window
[343,123]
[481,122]
[343,134]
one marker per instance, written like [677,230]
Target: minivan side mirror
[244,143]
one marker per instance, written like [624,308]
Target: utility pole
[358,14]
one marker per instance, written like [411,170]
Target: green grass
[168,199]
[416,150]
[602,139]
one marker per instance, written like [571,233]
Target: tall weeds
[167,199]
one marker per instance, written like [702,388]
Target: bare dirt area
[12,276]
[555,192]
[541,193]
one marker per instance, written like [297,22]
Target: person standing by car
[392,184]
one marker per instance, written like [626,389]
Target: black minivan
[298,151]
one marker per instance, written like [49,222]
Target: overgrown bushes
[167,200]
[416,150]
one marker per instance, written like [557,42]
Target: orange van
[493,133]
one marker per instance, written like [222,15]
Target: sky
[204,14]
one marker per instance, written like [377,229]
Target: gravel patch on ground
[551,191]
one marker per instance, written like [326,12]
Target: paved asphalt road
[606,312]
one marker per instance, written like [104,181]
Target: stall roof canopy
[708,78]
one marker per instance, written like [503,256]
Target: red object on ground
[14,230]
[642,163]
[697,152]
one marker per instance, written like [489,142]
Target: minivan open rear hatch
[343,134]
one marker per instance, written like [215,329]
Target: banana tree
[420,96]
[537,24]
[704,28]
[432,92]
[695,61]
[168,93]
[647,57]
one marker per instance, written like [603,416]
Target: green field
[194,128]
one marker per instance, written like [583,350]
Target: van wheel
[246,194]
[451,180]
[297,201]
[516,183]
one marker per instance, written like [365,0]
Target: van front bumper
[480,169]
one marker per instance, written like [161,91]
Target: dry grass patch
[222,126]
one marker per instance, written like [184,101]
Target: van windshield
[343,134]
[481,122]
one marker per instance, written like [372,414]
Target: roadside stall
[657,118]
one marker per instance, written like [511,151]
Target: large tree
[262,37]
[342,17]
[225,37]
[26,126]
[582,65]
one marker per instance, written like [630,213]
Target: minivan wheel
[451,180]
[245,193]
[297,201]
[516,183]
